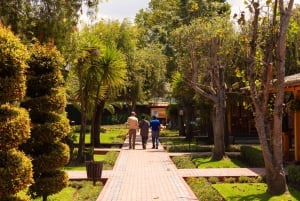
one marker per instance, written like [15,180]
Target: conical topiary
[46,101]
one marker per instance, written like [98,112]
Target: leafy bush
[15,167]
[110,159]
[15,172]
[189,148]
[213,180]
[183,162]
[229,180]
[294,174]
[252,155]
[203,189]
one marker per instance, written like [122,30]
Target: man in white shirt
[133,125]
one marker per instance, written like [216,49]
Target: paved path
[145,175]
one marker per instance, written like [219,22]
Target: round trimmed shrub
[14,126]
[49,183]
[13,58]
[50,157]
[55,102]
[51,132]
[15,172]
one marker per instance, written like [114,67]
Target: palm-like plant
[111,71]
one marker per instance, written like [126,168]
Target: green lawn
[97,157]
[76,190]
[207,162]
[112,134]
[252,191]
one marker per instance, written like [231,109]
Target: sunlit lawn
[97,157]
[252,191]
[111,135]
[77,190]
[207,162]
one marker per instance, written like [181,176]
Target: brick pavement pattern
[145,175]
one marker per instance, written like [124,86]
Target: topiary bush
[294,175]
[46,101]
[15,167]
[252,155]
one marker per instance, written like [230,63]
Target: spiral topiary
[46,101]
[15,166]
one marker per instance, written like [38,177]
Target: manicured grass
[252,191]
[76,190]
[169,133]
[182,162]
[112,134]
[207,162]
[108,159]
[97,157]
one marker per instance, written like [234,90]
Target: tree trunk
[188,109]
[272,154]
[83,102]
[218,129]
[97,123]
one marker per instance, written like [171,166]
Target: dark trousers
[155,139]
[132,136]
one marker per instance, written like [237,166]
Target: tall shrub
[46,101]
[15,166]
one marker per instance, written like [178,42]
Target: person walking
[133,125]
[155,129]
[144,126]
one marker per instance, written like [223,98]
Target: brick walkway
[145,175]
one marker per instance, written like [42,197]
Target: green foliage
[15,167]
[294,174]
[226,162]
[229,180]
[213,180]
[56,101]
[183,162]
[50,157]
[188,147]
[192,147]
[14,126]
[49,183]
[110,159]
[168,133]
[203,189]
[252,155]
[46,101]
[294,105]
[52,131]
[13,57]
[252,191]
[15,172]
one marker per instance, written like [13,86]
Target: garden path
[150,174]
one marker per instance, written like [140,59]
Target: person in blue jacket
[155,129]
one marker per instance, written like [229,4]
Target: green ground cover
[109,134]
[97,157]
[108,159]
[252,191]
[206,162]
[227,162]
[76,190]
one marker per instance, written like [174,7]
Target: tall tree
[45,20]
[265,62]
[111,75]
[204,57]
